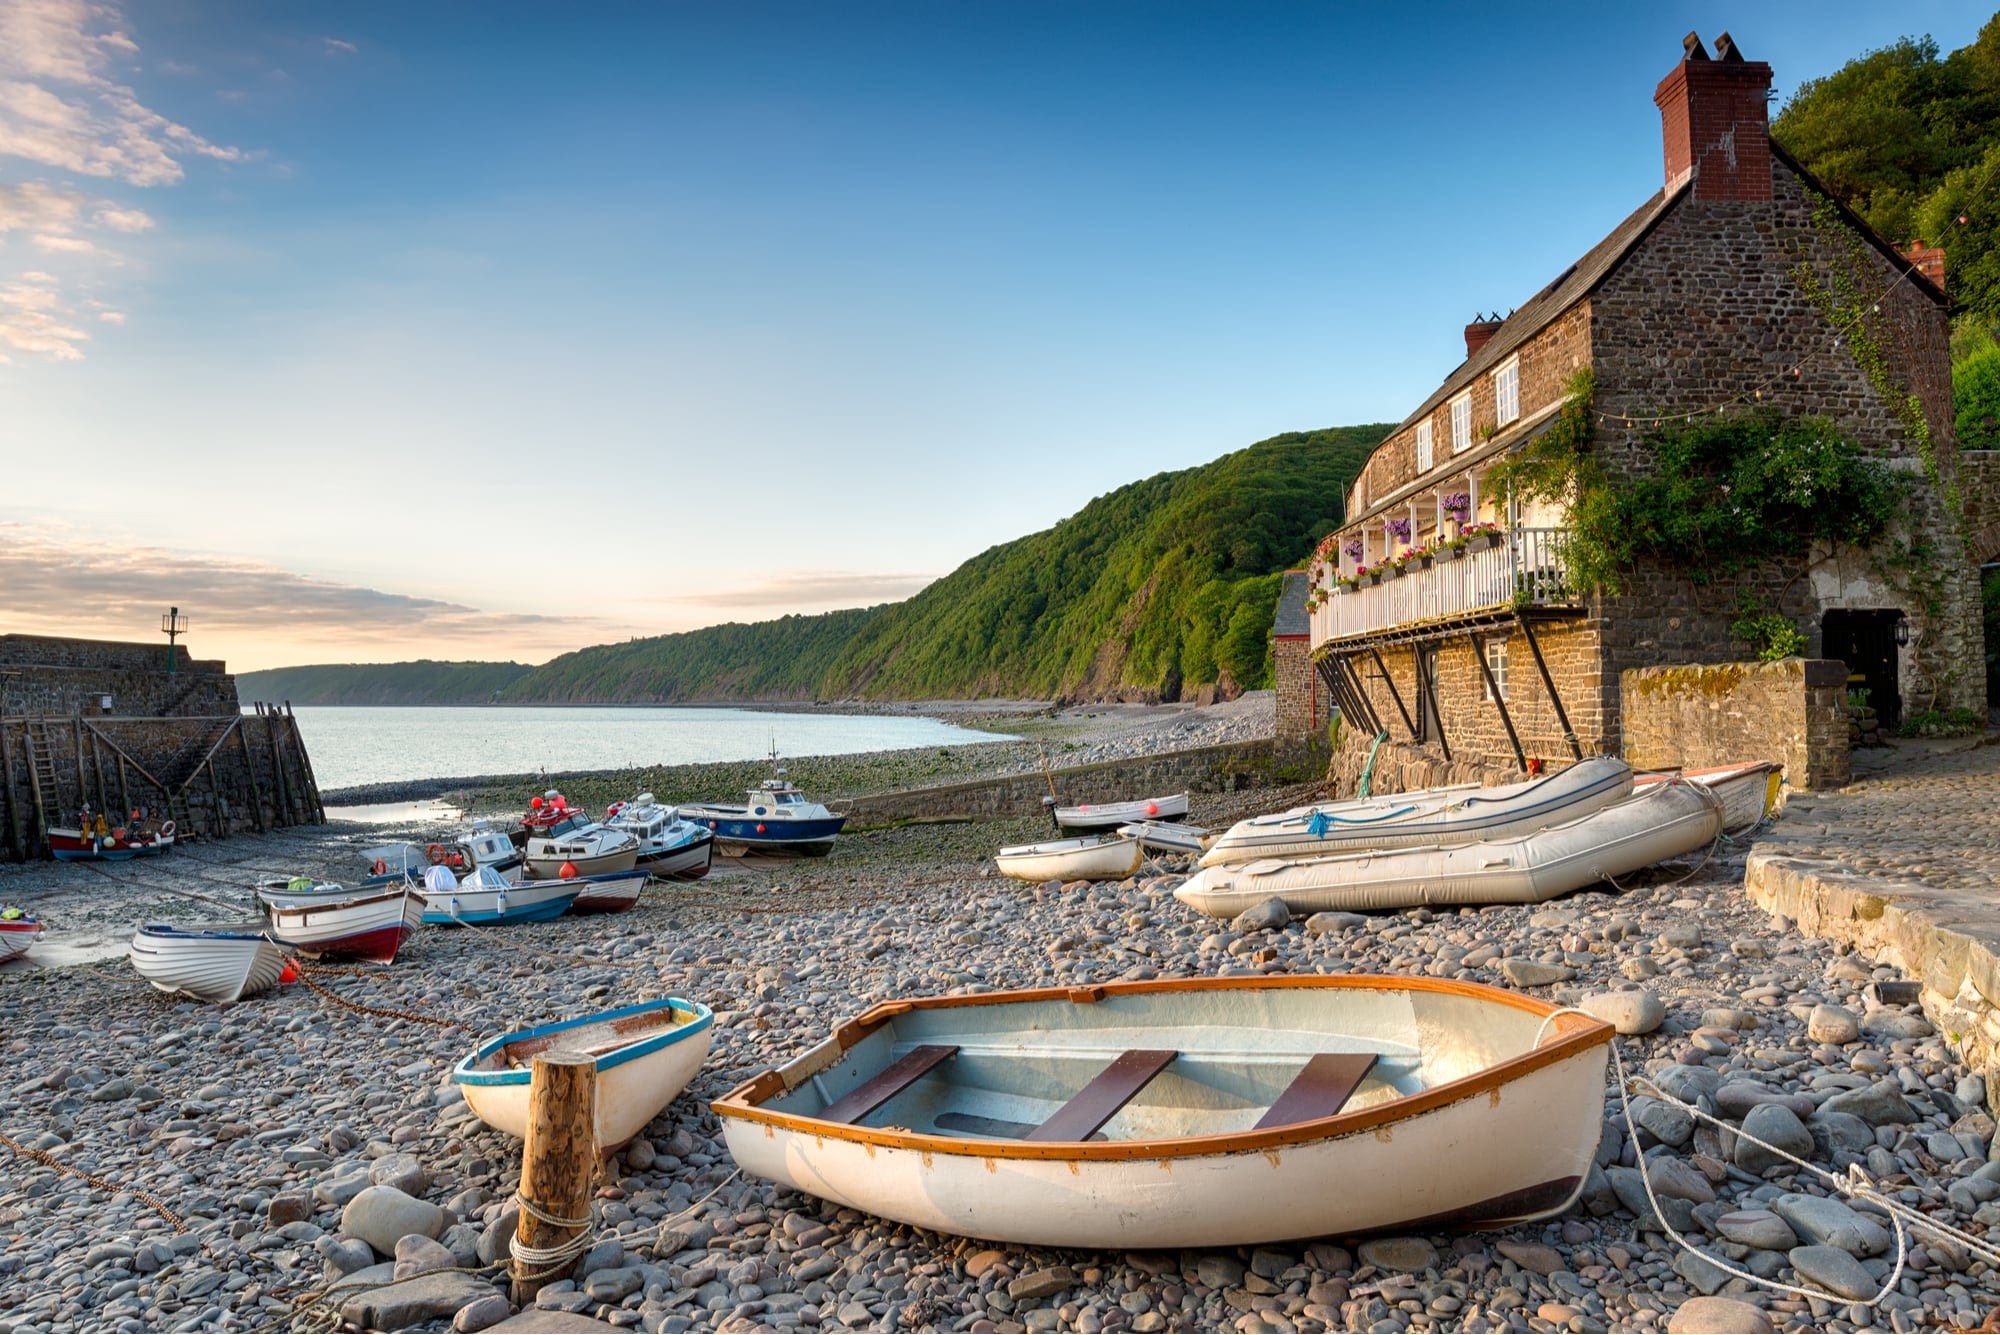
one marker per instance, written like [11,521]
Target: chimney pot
[1715,123]
[1480,332]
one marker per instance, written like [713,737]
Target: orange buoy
[760,827]
[1152,808]
[567,871]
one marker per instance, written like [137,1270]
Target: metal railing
[1527,562]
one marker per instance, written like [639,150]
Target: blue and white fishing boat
[670,845]
[776,819]
[646,1055]
[487,897]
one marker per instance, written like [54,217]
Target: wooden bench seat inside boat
[1321,1089]
[887,1083]
[1099,1101]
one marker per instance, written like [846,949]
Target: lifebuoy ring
[167,830]
[436,854]
[380,868]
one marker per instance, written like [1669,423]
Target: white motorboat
[1164,837]
[1455,815]
[487,897]
[208,964]
[1749,792]
[1189,1113]
[576,845]
[612,892]
[366,924]
[776,819]
[1091,857]
[646,1055]
[1664,820]
[1111,815]
[670,845]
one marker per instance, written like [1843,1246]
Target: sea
[353,745]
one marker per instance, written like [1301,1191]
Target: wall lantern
[1902,632]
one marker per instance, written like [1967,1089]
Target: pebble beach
[309,1153]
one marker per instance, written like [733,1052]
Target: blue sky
[375,331]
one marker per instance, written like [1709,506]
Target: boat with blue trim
[645,1054]
[487,897]
[776,819]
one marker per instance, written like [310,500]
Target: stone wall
[1303,706]
[1402,767]
[1227,768]
[47,676]
[1793,712]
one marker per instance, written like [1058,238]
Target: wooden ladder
[47,791]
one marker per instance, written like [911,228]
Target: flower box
[1451,553]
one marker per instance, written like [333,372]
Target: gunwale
[1575,1033]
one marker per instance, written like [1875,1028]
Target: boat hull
[608,894]
[206,965]
[1513,1143]
[634,1085]
[1458,815]
[1663,821]
[1110,815]
[369,928]
[75,846]
[18,937]
[483,907]
[689,862]
[1749,792]
[1087,859]
[601,864]
[768,834]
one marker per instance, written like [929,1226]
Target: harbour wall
[1793,711]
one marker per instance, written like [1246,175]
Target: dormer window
[1424,450]
[1507,392]
[1461,423]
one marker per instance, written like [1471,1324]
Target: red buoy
[1152,808]
[534,804]
[760,828]
[567,871]
[291,972]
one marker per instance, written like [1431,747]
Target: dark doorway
[1865,640]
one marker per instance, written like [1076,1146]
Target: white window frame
[1496,663]
[1461,423]
[1426,453]
[1507,393]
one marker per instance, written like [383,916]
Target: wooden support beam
[250,772]
[97,769]
[1370,718]
[82,779]
[558,1162]
[124,788]
[121,753]
[18,840]
[1427,689]
[1394,694]
[1549,684]
[285,815]
[1493,689]
[1337,691]
[306,768]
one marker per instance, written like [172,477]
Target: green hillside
[1155,588]
[423,682]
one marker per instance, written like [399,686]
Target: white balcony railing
[1528,562]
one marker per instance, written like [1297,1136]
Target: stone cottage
[1484,660]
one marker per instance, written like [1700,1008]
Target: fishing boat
[368,924]
[1091,857]
[646,1055]
[1749,792]
[576,845]
[670,846]
[387,864]
[1164,837]
[18,932]
[1664,820]
[98,841]
[543,812]
[1455,815]
[486,897]
[776,819]
[1111,815]
[611,892]
[208,964]
[1197,1113]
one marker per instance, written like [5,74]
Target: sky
[365,332]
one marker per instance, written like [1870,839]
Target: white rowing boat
[1456,815]
[1164,837]
[1094,857]
[205,963]
[1198,1113]
[17,935]
[1111,815]
[646,1055]
[1664,821]
[1748,792]
[367,924]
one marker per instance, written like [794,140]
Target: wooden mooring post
[558,1165]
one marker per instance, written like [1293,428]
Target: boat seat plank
[1321,1089]
[1099,1101]
[885,1084]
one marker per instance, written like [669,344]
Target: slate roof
[1292,617]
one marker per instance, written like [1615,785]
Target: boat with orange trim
[1204,1112]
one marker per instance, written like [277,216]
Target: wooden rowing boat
[646,1055]
[1208,1112]
[1111,815]
[1456,815]
[1094,857]
[1663,821]
[209,964]
[17,935]
[368,925]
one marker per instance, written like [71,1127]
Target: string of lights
[1756,393]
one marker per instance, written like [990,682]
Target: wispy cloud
[62,245]
[124,220]
[60,582]
[813,592]
[35,206]
[33,319]
[336,47]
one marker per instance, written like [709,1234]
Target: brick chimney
[1928,259]
[1479,333]
[1716,121]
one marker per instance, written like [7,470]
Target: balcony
[1485,583]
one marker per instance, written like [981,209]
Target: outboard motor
[1049,805]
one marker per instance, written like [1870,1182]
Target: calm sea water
[372,745]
